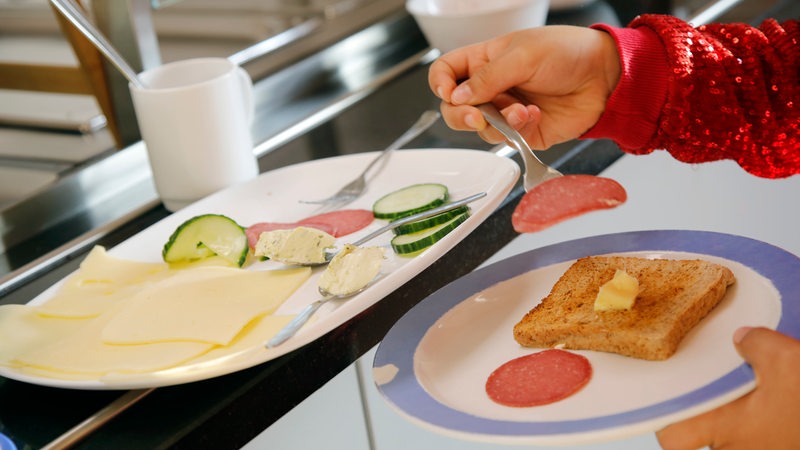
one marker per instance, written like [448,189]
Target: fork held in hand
[535,170]
[355,188]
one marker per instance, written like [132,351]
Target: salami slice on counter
[336,223]
[539,378]
[562,198]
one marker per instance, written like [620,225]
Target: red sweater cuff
[632,111]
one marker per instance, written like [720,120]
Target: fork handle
[424,122]
[291,328]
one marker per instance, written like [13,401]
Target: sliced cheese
[100,283]
[618,293]
[22,330]
[254,335]
[351,270]
[83,353]
[115,317]
[203,304]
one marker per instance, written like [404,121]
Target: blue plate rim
[399,345]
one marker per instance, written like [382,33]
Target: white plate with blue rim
[6,443]
[432,365]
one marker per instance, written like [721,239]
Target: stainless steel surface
[73,12]
[355,188]
[113,190]
[712,10]
[535,170]
[97,420]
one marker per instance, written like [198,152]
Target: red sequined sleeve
[723,91]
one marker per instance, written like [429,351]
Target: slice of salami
[336,223]
[562,198]
[342,222]
[539,378]
[254,231]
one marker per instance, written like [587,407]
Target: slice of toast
[674,296]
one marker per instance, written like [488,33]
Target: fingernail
[516,119]
[470,122]
[739,334]
[461,94]
[439,92]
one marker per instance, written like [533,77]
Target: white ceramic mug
[194,117]
[450,24]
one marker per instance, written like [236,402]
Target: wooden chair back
[89,77]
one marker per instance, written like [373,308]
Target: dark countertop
[229,411]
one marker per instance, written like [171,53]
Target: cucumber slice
[424,224]
[409,244]
[410,200]
[204,236]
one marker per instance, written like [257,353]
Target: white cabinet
[331,418]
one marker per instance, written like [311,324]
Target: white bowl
[450,24]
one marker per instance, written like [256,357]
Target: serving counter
[328,104]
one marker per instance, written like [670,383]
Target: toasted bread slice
[675,295]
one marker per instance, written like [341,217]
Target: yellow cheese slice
[203,304]
[22,330]
[254,335]
[100,283]
[83,353]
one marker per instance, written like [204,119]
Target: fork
[355,188]
[535,170]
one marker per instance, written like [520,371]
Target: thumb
[702,430]
[760,347]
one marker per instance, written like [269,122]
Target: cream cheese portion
[351,270]
[301,245]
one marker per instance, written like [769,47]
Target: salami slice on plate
[539,378]
[343,222]
[336,223]
[562,198]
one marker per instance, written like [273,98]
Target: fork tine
[356,187]
[333,205]
[348,193]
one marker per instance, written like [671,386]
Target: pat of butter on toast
[674,296]
[617,293]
